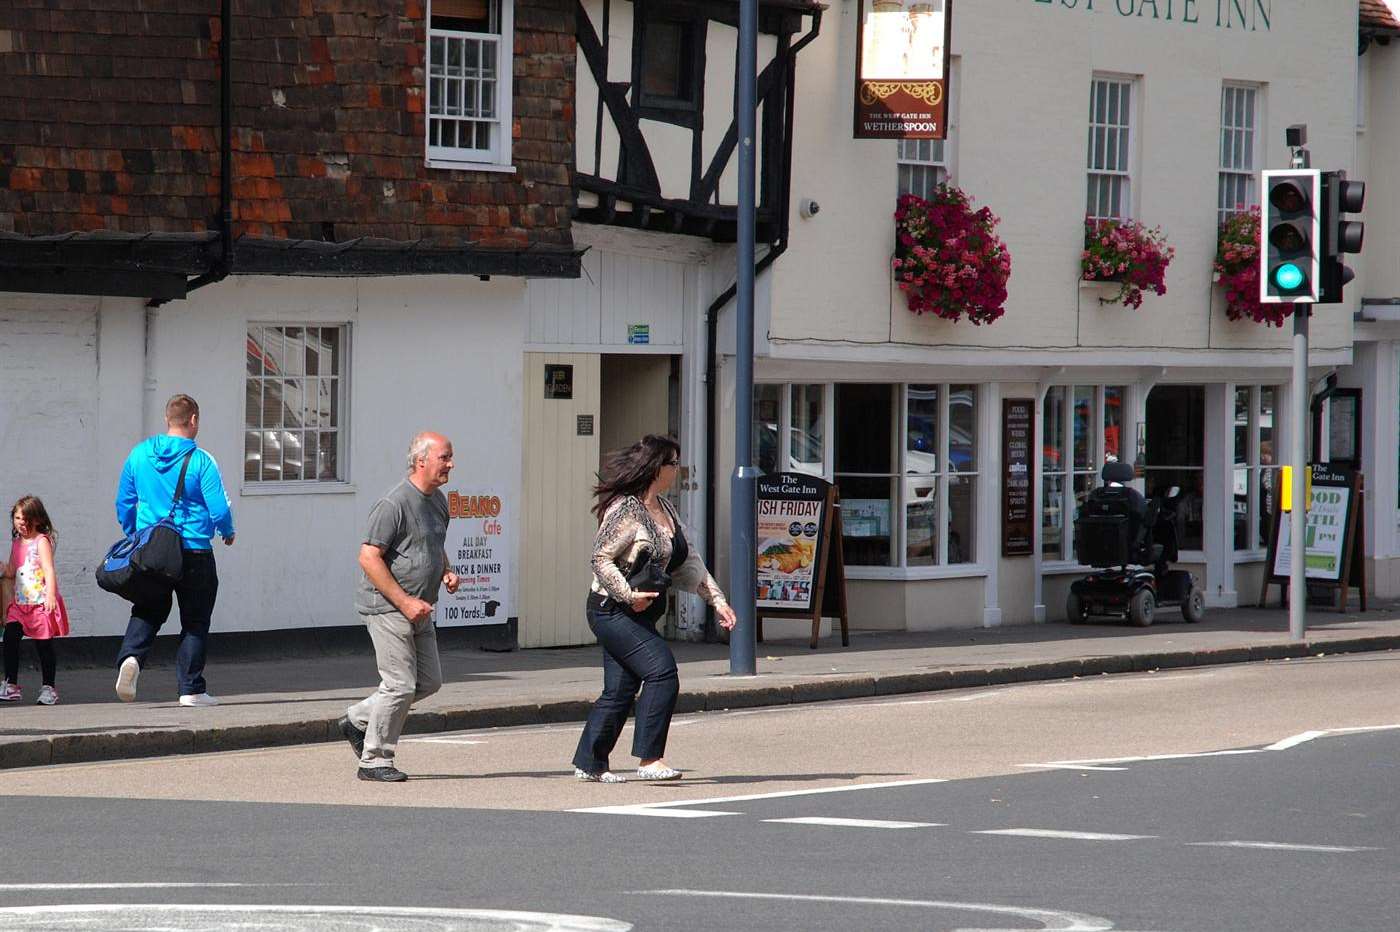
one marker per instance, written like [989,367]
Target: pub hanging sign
[902,69]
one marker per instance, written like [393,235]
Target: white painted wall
[1020,137]
[427,353]
[670,145]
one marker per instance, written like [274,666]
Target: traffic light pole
[1298,459]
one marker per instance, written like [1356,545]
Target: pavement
[297,700]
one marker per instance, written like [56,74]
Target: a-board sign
[478,549]
[1332,550]
[799,571]
[1018,491]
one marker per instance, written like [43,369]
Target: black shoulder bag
[151,558]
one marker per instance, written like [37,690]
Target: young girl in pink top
[37,610]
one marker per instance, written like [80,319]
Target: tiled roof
[109,119]
[1375,14]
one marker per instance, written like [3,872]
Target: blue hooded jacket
[148,484]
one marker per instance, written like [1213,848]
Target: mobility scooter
[1132,542]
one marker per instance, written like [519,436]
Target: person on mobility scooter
[1133,541]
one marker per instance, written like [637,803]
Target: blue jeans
[633,655]
[196,590]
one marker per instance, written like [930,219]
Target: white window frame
[342,481]
[787,431]
[900,569]
[1101,169]
[1239,148]
[943,475]
[496,157]
[1252,468]
[1067,468]
[941,154]
[922,159]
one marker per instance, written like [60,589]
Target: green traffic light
[1288,276]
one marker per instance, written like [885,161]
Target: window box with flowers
[1127,254]
[948,259]
[1237,271]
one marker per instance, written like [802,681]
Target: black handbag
[646,576]
[139,566]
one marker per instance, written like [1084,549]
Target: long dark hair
[34,515]
[632,470]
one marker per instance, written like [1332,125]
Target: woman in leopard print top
[635,524]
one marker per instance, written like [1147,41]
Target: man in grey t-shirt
[403,564]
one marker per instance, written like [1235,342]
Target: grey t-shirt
[410,528]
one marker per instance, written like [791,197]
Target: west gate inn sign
[1249,15]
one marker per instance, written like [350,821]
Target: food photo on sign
[789,512]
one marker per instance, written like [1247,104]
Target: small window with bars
[1238,132]
[1110,149]
[294,414]
[469,81]
[922,166]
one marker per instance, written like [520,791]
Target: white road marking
[444,740]
[1281,745]
[1053,833]
[1279,846]
[177,916]
[1298,739]
[652,811]
[152,885]
[854,823]
[650,808]
[1051,920]
[1294,741]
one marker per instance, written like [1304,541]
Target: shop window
[905,458]
[1175,469]
[940,475]
[294,414]
[865,433]
[1082,428]
[1110,155]
[469,82]
[1255,476]
[794,412]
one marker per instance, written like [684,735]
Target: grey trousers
[409,670]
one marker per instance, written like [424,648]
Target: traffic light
[1289,266]
[1339,236]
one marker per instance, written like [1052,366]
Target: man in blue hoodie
[144,494]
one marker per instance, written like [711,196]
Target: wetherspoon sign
[902,69]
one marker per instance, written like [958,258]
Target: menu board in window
[1018,460]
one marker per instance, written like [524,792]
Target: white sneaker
[48,696]
[198,699]
[127,675]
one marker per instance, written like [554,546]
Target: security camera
[808,208]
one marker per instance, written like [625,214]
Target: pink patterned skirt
[38,622]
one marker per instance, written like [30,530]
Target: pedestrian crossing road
[1247,798]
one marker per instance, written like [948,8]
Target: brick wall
[109,119]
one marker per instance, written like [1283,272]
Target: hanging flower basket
[948,259]
[1237,269]
[1128,254]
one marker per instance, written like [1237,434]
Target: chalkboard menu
[1017,488]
